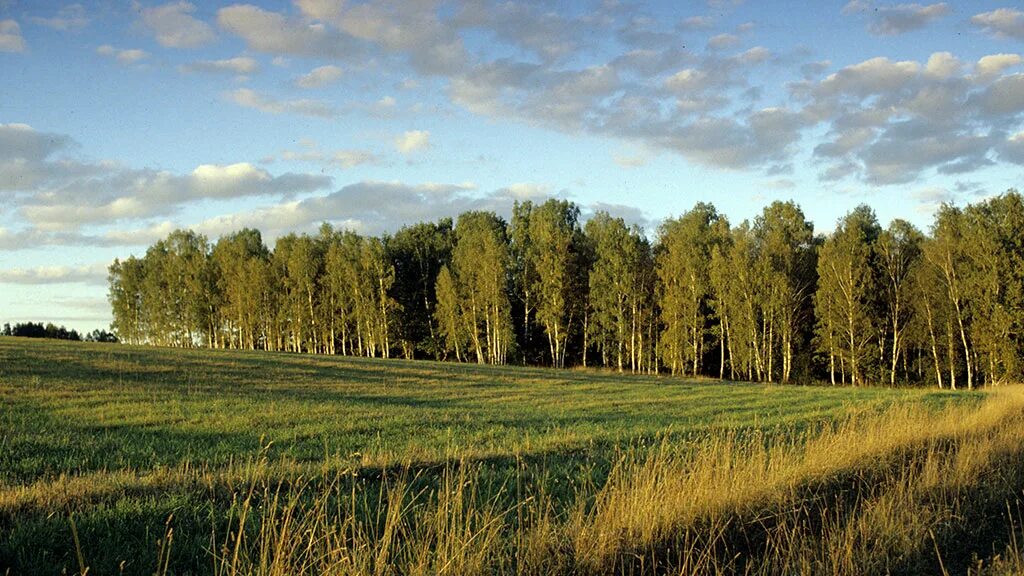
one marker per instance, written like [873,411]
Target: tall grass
[369,467]
[911,490]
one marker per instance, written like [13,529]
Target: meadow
[146,460]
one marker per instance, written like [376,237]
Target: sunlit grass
[479,469]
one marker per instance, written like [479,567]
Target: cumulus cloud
[1001,23]
[53,191]
[274,33]
[174,26]
[1013,149]
[630,214]
[34,238]
[896,19]
[430,45]
[95,274]
[376,207]
[943,65]
[723,41]
[696,23]
[539,33]
[28,158]
[10,37]
[535,79]
[1004,97]
[134,194]
[709,106]
[765,137]
[892,122]
[875,76]
[812,70]
[412,141]
[370,207]
[345,159]
[931,198]
[523,191]
[319,77]
[71,17]
[905,149]
[994,64]
[124,56]
[239,65]
[251,99]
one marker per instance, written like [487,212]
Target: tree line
[764,300]
[54,332]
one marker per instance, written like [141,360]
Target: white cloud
[412,141]
[10,37]
[875,76]
[530,28]
[696,23]
[124,56]
[1004,97]
[897,19]
[55,192]
[136,194]
[345,159]
[630,214]
[374,207]
[688,80]
[28,158]
[537,78]
[1001,23]
[276,34]
[932,197]
[326,10]
[71,17]
[138,236]
[252,99]
[723,41]
[319,77]
[1013,149]
[352,158]
[994,64]
[174,26]
[547,67]
[237,65]
[525,191]
[891,122]
[942,65]
[95,274]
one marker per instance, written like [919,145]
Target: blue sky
[120,121]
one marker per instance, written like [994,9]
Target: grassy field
[157,460]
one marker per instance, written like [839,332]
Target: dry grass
[115,458]
[908,491]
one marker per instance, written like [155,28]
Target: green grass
[123,438]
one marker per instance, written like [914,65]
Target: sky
[122,121]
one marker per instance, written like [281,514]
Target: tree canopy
[763,300]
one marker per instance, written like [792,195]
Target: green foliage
[621,292]
[418,253]
[764,300]
[48,330]
[476,290]
[847,295]
[557,256]
[684,269]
